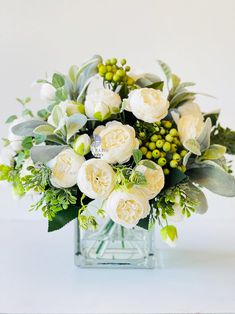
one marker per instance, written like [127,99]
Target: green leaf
[61,94]
[26,128]
[149,164]
[75,123]
[43,113]
[175,81]
[147,79]
[214,116]
[39,138]
[72,73]
[144,223]
[27,142]
[204,137]
[6,141]
[156,85]
[62,218]
[137,155]
[213,177]
[166,69]
[45,153]
[11,119]
[57,80]
[197,195]
[182,86]
[180,98]
[225,137]
[193,146]
[215,151]
[176,176]
[4,172]
[27,112]
[44,130]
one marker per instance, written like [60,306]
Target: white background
[196,38]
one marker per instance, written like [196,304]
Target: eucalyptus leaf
[166,69]
[204,137]
[156,85]
[11,119]
[213,177]
[147,79]
[44,129]
[45,153]
[193,146]
[137,155]
[57,80]
[26,128]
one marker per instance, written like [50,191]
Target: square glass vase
[113,246]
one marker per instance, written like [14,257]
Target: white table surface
[37,274]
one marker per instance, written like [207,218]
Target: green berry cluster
[162,145]
[112,72]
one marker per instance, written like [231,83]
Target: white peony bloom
[127,207]
[47,92]
[155,178]
[70,107]
[65,168]
[7,155]
[190,123]
[16,140]
[114,142]
[148,104]
[102,103]
[96,179]
[82,144]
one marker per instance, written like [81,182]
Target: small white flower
[148,104]
[127,207]
[65,167]
[96,179]
[82,144]
[102,103]
[114,142]
[154,176]
[70,107]
[190,123]
[47,92]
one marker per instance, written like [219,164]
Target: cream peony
[127,207]
[154,176]
[190,123]
[96,179]
[148,104]
[65,168]
[82,144]
[102,103]
[114,142]
[47,92]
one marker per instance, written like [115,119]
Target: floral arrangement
[137,143]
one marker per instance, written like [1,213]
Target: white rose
[47,92]
[82,144]
[96,179]
[65,168]
[72,107]
[114,142]
[190,123]
[7,155]
[127,207]
[16,140]
[148,104]
[102,103]
[155,178]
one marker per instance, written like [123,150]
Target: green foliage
[24,101]
[11,119]
[4,172]
[38,179]
[169,234]
[57,80]
[126,177]
[27,142]
[43,113]
[137,155]
[177,195]
[214,152]
[62,218]
[12,175]
[225,137]
[53,201]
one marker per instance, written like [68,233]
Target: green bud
[162,131]
[167,124]
[166,147]
[109,76]
[173,163]
[162,161]
[116,78]
[166,171]
[127,68]
[108,62]
[173,132]
[81,145]
[154,138]
[147,144]
[120,72]
[176,156]
[152,146]
[159,143]
[173,148]
[123,61]
[156,153]
[130,81]
[149,155]
[169,138]
[102,69]
[113,61]
[142,135]
[144,150]
[183,153]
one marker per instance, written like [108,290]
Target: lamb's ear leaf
[214,152]
[45,153]
[62,218]
[213,177]
[147,79]
[198,196]
[57,115]
[26,128]
[44,129]
[204,137]
[75,123]
[193,146]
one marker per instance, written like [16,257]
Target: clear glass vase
[113,246]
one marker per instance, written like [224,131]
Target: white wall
[195,37]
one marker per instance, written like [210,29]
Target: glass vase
[113,246]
